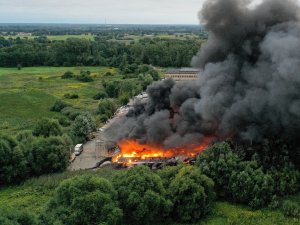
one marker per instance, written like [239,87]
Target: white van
[78,149]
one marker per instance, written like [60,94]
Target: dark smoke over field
[249,87]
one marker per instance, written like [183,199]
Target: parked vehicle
[78,149]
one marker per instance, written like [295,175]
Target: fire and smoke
[249,87]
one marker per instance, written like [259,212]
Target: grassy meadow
[34,194]
[27,95]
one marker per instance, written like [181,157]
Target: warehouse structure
[183,74]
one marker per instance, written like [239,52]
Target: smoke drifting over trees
[249,87]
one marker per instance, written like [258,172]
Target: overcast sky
[97,11]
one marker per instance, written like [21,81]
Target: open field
[35,193]
[54,37]
[26,95]
[126,39]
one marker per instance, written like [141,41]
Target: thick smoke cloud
[249,87]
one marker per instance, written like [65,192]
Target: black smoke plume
[249,87]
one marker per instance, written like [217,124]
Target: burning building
[249,88]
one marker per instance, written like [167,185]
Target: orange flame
[131,148]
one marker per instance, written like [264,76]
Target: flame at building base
[131,150]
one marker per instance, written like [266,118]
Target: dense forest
[99,52]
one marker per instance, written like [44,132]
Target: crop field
[27,95]
[35,193]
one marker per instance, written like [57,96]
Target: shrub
[67,75]
[58,106]
[16,217]
[71,96]
[108,74]
[70,112]
[291,209]
[47,127]
[192,194]
[63,121]
[107,108]
[100,95]
[84,76]
[141,195]
[81,200]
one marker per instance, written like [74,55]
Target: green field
[55,37]
[27,95]
[35,193]
[126,39]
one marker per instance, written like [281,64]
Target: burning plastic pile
[249,87]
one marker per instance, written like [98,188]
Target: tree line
[41,51]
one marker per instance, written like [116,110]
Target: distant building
[183,74]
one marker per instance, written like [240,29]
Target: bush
[70,112]
[192,194]
[84,76]
[141,195]
[47,127]
[291,209]
[67,75]
[107,108]
[108,74]
[100,95]
[71,96]
[58,106]
[15,217]
[63,121]
[88,200]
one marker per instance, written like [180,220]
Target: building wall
[182,76]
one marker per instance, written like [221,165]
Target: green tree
[106,108]
[251,186]
[192,194]
[142,195]
[47,155]
[87,200]
[83,125]
[13,164]
[218,162]
[47,127]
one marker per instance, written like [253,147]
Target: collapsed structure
[249,88]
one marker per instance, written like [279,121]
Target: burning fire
[132,150]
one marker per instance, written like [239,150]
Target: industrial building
[183,74]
